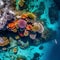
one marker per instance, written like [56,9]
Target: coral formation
[4,41]
[15,50]
[23,27]
[17,37]
[21,3]
[22,23]
[20,57]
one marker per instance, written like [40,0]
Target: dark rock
[41,47]
[38,35]
[40,10]
[53,14]
[36,56]
[57,3]
[41,6]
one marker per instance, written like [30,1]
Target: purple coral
[22,23]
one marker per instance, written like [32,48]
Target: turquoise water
[29,52]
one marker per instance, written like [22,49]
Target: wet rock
[53,14]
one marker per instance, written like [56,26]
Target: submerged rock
[36,56]
[53,14]
[41,47]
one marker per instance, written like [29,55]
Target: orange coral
[24,16]
[5,41]
[29,27]
[12,25]
[15,22]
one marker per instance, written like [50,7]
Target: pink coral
[22,23]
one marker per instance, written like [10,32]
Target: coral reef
[17,37]
[21,4]
[20,57]
[23,27]
[4,41]
[15,50]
